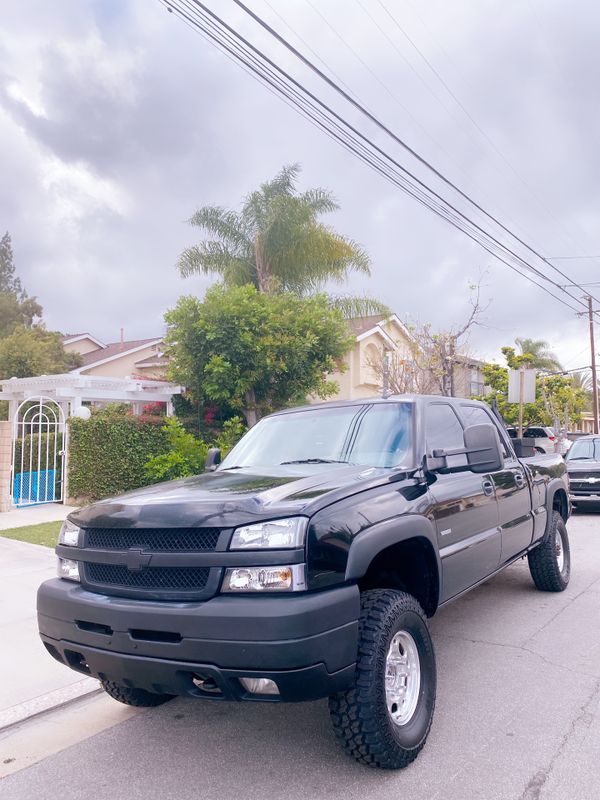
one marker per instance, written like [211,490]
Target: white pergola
[71,390]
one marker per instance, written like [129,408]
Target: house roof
[159,360]
[67,338]
[114,350]
[360,325]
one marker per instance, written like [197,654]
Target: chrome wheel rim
[559,552]
[402,678]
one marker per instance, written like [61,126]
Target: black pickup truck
[306,565]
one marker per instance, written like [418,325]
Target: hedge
[108,452]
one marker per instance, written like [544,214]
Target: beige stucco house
[139,358]
[376,334]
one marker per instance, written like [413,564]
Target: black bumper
[306,643]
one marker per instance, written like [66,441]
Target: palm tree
[542,357]
[275,242]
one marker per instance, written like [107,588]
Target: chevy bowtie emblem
[137,560]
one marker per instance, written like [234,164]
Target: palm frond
[364,306]
[319,200]
[227,225]
[214,258]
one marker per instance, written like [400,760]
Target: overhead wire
[251,59]
[551,215]
[396,138]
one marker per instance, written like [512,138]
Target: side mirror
[213,459]
[483,448]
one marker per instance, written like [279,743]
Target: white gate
[38,454]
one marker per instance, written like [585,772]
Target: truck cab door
[512,488]
[463,507]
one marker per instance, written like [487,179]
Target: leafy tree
[541,357]
[253,352]
[9,282]
[15,307]
[15,313]
[558,398]
[34,351]
[276,242]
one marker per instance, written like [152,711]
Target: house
[141,358]
[381,338]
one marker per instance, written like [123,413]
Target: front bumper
[306,643]
[577,498]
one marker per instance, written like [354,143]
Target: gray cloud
[117,121]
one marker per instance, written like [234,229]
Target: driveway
[517,718]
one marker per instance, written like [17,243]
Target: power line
[443,209]
[399,141]
[564,232]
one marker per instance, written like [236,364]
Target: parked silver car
[583,466]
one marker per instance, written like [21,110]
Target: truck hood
[576,465]
[227,498]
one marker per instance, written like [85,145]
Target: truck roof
[395,398]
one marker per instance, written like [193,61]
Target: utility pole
[593,351]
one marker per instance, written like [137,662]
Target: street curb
[58,698]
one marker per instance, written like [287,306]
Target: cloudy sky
[117,121]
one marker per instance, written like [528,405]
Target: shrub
[108,452]
[233,430]
[185,457]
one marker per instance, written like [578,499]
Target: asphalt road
[518,717]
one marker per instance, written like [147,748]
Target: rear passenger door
[512,491]
[463,506]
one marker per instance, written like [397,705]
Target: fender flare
[371,541]
[555,485]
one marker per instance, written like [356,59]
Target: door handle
[488,487]
[519,479]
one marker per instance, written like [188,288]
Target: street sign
[521,385]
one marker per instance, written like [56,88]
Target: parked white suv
[544,439]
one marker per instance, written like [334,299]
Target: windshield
[374,435]
[584,449]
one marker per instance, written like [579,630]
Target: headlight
[68,569]
[278,534]
[265,579]
[69,534]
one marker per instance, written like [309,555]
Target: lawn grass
[45,533]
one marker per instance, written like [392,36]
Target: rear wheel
[550,562]
[384,718]
[134,697]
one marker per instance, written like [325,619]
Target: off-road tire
[134,697]
[361,720]
[544,562]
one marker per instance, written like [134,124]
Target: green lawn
[46,533]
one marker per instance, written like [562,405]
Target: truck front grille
[159,540]
[186,579]
[124,562]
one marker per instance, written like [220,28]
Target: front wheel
[550,561]
[134,697]
[384,718]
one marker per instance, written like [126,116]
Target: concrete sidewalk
[30,680]
[33,515]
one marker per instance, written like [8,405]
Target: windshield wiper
[315,461]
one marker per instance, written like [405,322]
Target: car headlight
[69,534]
[277,534]
[265,579]
[68,569]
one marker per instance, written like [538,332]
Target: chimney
[122,337]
